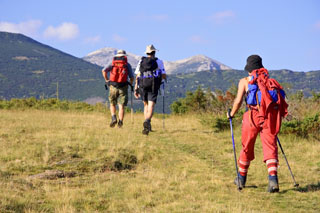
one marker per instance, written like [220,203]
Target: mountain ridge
[103,57]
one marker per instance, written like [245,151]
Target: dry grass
[182,168]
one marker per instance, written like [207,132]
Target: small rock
[53,174]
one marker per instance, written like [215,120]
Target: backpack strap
[258,104]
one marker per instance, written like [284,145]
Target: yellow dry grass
[182,168]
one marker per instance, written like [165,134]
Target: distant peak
[103,50]
[200,56]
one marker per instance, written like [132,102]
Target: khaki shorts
[118,95]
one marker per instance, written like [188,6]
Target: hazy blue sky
[285,33]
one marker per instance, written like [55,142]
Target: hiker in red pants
[266,107]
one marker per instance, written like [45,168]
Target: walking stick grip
[229,113]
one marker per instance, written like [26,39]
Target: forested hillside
[29,68]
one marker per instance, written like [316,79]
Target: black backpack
[148,79]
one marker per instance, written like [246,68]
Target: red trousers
[250,131]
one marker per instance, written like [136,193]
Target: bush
[193,102]
[50,104]
[211,106]
[221,123]
[201,101]
[308,127]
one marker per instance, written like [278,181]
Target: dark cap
[253,62]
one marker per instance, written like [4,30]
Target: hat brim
[119,55]
[251,67]
[246,68]
[148,52]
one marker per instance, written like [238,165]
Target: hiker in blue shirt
[120,71]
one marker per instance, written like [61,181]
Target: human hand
[229,114]
[136,93]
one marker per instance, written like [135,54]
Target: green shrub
[220,123]
[201,101]
[309,126]
[50,104]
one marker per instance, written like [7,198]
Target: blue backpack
[254,94]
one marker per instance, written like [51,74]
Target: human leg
[272,165]
[248,138]
[113,109]
[148,111]
[113,115]
[113,95]
[150,108]
[121,115]
[122,102]
[270,153]
[145,109]
[149,101]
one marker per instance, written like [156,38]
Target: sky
[285,33]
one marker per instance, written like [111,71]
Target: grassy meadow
[185,167]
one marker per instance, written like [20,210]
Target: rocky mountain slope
[103,57]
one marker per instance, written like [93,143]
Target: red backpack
[272,95]
[119,72]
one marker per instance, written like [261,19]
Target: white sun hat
[121,53]
[150,48]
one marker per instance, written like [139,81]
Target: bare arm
[136,94]
[241,92]
[130,73]
[105,73]
[105,76]
[164,76]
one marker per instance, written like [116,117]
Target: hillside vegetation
[31,69]
[71,161]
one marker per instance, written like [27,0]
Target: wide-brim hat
[121,53]
[253,62]
[150,48]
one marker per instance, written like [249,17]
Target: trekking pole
[163,115]
[131,99]
[131,104]
[234,150]
[295,183]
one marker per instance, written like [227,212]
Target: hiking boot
[146,128]
[242,181]
[120,123]
[150,130]
[273,184]
[113,121]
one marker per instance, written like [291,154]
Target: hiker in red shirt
[266,108]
